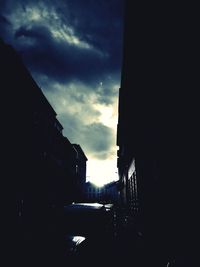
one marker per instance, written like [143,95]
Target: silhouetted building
[93,193]
[80,171]
[43,169]
[104,194]
[111,192]
[157,128]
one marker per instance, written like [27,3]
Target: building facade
[108,193]
[157,130]
[93,193]
[80,172]
[43,169]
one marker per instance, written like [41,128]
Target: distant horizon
[101,185]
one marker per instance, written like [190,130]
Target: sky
[73,50]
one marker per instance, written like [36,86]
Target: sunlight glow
[101,172]
[108,115]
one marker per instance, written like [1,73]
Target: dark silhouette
[158,128]
[41,168]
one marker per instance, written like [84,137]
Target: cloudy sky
[73,49]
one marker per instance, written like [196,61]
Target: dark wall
[38,165]
[158,119]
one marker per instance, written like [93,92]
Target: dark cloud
[58,59]
[100,138]
[3,20]
[5,28]
[96,139]
[97,23]
[107,93]
[73,49]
